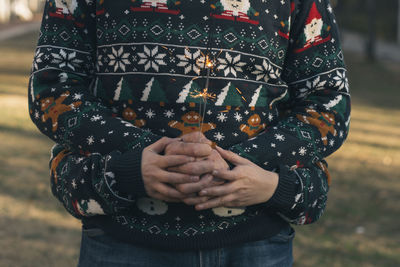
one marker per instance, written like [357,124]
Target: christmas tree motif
[123,91]
[159,6]
[98,89]
[316,32]
[229,97]
[259,98]
[238,10]
[187,95]
[153,92]
[285,30]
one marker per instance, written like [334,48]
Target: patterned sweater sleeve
[61,101]
[315,123]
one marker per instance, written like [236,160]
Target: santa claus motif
[160,6]
[66,9]
[314,30]
[238,10]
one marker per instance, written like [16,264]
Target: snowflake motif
[73,183]
[90,140]
[230,64]
[219,136]
[273,145]
[96,118]
[302,151]
[279,137]
[150,113]
[37,59]
[238,117]
[151,59]
[270,116]
[66,60]
[341,81]
[266,72]
[332,142]
[222,117]
[191,61]
[118,59]
[317,84]
[77,96]
[37,116]
[169,113]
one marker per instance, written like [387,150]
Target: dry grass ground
[360,227]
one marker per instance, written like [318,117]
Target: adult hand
[248,184]
[216,162]
[193,145]
[157,180]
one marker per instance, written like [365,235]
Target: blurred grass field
[360,226]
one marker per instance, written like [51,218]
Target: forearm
[95,184]
[301,195]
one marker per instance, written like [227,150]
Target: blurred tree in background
[353,15]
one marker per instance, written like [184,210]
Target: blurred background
[361,224]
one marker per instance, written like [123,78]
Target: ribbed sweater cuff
[128,174]
[284,196]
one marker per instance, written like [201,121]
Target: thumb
[159,146]
[230,156]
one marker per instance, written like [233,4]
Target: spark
[241,94]
[203,94]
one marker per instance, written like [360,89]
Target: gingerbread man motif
[254,126]
[323,121]
[54,108]
[54,163]
[129,115]
[192,122]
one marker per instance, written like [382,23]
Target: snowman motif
[152,206]
[228,212]
[238,10]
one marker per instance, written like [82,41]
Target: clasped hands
[189,170]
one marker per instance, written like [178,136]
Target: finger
[229,175]
[164,198]
[174,160]
[195,200]
[217,191]
[175,178]
[160,145]
[231,156]
[196,168]
[190,149]
[196,137]
[168,191]
[216,202]
[190,188]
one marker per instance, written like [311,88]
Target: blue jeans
[100,250]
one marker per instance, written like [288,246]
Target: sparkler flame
[203,94]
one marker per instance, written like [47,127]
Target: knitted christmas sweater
[112,77]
